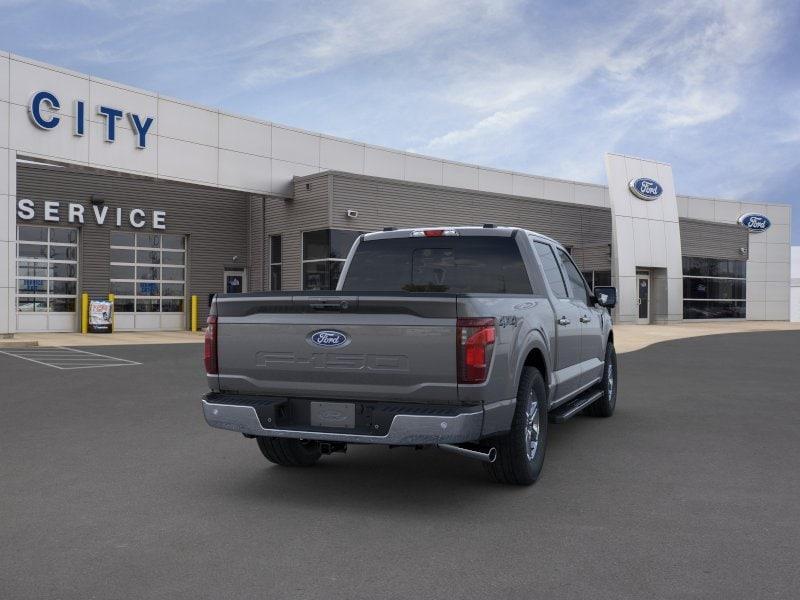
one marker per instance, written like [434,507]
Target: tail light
[475,343]
[210,351]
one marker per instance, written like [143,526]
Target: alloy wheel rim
[532,426]
[610,380]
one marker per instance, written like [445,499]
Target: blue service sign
[754,222]
[328,338]
[646,189]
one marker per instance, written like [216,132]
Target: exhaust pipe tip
[489,456]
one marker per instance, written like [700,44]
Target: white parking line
[67,359]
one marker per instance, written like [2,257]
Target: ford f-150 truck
[464,338]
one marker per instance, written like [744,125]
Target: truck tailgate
[370,347]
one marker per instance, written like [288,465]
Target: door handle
[563,321]
[585,319]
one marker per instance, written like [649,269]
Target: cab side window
[551,271]
[576,282]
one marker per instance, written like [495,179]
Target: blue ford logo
[329,338]
[754,222]
[646,189]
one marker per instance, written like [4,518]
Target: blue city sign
[44,105]
[754,222]
[646,189]
[329,338]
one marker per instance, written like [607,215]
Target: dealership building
[107,189]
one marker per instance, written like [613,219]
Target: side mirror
[605,296]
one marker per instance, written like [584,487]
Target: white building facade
[92,129]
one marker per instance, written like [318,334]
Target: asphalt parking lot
[112,486]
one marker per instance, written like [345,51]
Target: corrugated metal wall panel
[384,202]
[713,240]
[255,244]
[191,210]
[307,211]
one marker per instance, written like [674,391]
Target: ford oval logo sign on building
[754,222]
[329,338]
[646,189]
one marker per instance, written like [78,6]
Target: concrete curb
[18,344]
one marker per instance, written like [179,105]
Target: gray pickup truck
[463,338]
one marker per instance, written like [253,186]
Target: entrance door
[643,288]
[235,281]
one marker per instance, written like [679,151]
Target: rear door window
[576,281]
[456,265]
[551,271]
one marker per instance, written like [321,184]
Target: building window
[47,269]
[275,262]
[148,272]
[595,278]
[714,288]
[324,254]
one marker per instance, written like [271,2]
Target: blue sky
[712,87]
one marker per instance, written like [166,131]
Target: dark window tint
[62,235]
[719,289]
[327,243]
[316,244]
[121,288]
[714,267]
[342,241]
[32,251]
[148,240]
[123,304]
[551,271]
[123,256]
[62,288]
[602,278]
[576,282]
[174,242]
[711,309]
[120,238]
[450,264]
[275,278]
[64,252]
[62,304]
[33,234]
[322,275]
[274,248]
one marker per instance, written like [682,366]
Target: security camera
[352,214]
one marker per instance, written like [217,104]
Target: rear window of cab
[466,264]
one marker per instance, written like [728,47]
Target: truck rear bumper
[461,424]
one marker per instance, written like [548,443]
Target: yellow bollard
[111,298]
[194,313]
[84,313]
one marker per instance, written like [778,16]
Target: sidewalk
[627,337]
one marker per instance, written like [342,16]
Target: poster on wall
[100,315]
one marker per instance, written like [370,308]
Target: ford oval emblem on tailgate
[328,338]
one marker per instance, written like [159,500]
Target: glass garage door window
[148,272]
[47,269]
[714,288]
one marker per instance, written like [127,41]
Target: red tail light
[210,351]
[475,343]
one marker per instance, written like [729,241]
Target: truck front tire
[604,406]
[289,453]
[520,453]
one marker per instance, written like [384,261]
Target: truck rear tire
[520,453]
[604,406]
[289,453]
